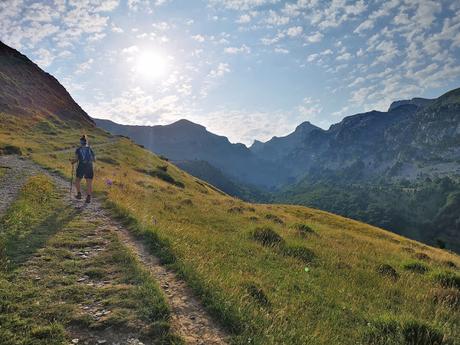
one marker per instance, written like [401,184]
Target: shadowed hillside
[28,91]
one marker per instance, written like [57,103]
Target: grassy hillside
[272,274]
[423,209]
[49,289]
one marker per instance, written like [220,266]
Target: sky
[246,69]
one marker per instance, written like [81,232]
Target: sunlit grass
[261,293]
[41,293]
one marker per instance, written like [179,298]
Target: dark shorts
[85,170]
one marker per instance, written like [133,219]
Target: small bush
[383,332]
[187,202]
[387,271]
[108,160]
[449,264]
[299,252]
[10,150]
[393,332]
[162,175]
[163,158]
[303,229]
[449,298]
[267,237]
[416,267]
[257,294]
[236,210]
[162,168]
[421,256]
[274,218]
[416,333]
[447,279]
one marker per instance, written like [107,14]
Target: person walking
[85,158]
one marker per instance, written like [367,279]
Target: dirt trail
[189,319]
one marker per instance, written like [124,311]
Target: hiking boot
[78,196]
[88,199]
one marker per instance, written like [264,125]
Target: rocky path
[189,319]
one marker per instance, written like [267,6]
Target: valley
[375,167]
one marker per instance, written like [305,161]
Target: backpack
[85,154]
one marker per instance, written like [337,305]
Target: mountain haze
[411,147]
[187,141]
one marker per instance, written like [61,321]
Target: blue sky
[247,69]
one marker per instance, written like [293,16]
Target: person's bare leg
[78,185]
[89,186]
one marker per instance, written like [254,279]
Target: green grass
[41,294]
[264,294]
[2,172]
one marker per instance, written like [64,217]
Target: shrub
[267,237]
[10,150]
[447,297]
[108,160]
[416,333]
[235,210]
[162,175]
[257,294]
[299,252]
[187,202]
[449,263]
[421,256]
[383,332]
[162,168]
[387,271]
[303,229]
[164,158]
[416,267]
[447,279]
[274,218]
[393,332]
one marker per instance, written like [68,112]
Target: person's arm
[75,159]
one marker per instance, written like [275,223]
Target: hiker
[85,157]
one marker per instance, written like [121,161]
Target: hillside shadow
[20,248]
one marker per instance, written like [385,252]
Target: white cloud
[310,110]
[135,106]
[237,50]
[275,19]
[84,66]
[241,4]
[130,50]
[316,37]
[272,40]
[44,57]
[294,31]
[198,38]
[222,69]
[344,57]
[244,19]
[281,51]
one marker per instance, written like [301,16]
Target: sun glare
[151,65]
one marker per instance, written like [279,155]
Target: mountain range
[414,144]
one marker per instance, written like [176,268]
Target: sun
[151,65]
